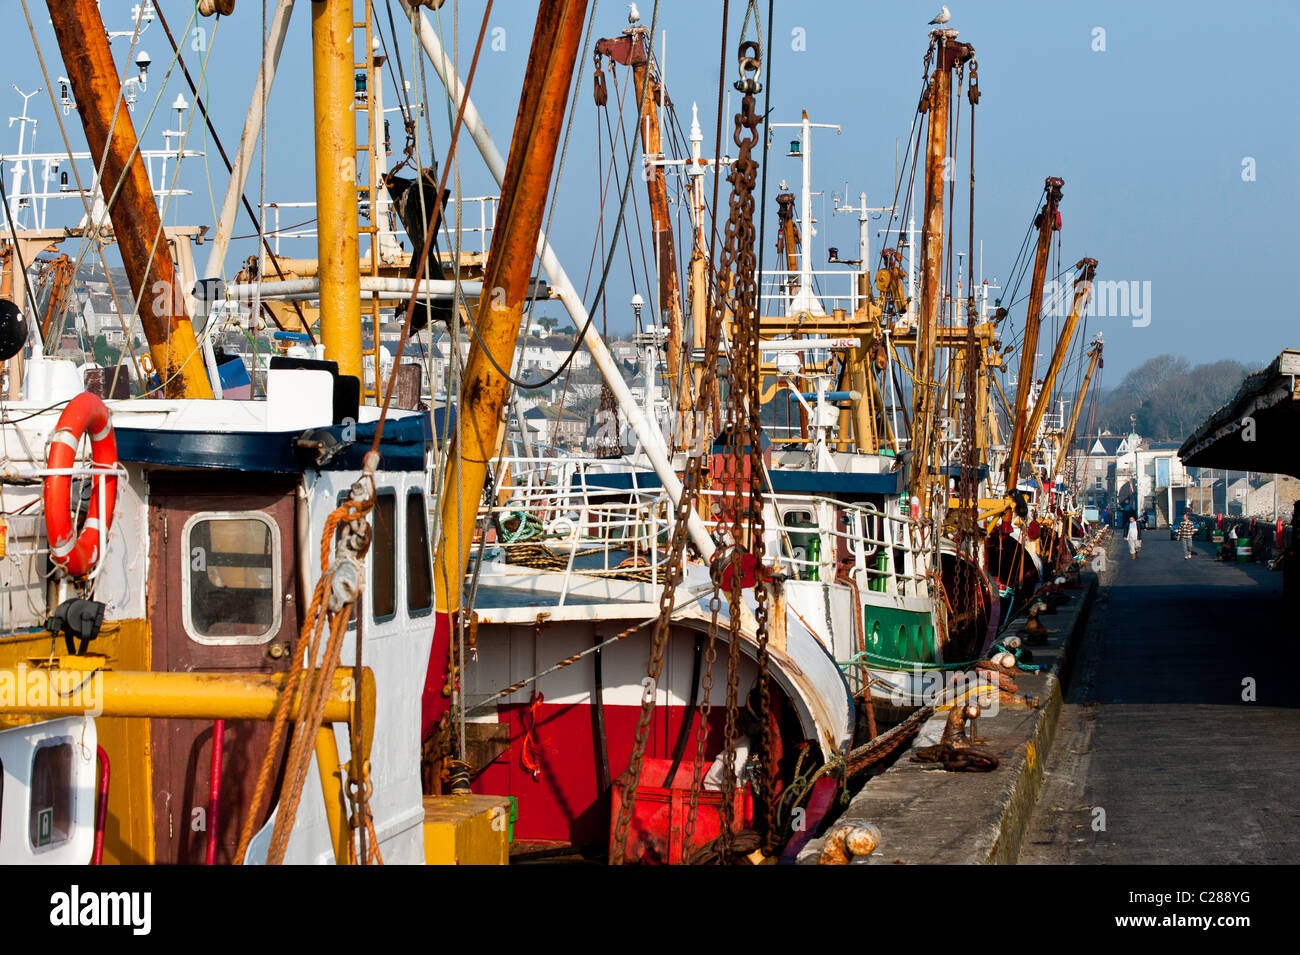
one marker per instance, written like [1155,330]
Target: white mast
[804,300]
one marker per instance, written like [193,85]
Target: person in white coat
[1134,542]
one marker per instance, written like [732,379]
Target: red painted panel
[563,802]
[433,703]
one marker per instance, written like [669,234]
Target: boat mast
[938,99]
[484,389]
[276,32]
[632,49]
[1067,436]
[137,226]
[336,184]
[1048,222]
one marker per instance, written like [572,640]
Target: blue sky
[1150,135]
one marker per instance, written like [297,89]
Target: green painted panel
[894,634]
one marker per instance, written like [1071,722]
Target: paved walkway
[1155,732]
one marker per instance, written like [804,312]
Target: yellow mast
[484,390]
[336,176]
[633,49]
[1067,436]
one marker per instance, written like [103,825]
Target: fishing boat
[219,605]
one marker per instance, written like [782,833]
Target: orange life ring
[77,553]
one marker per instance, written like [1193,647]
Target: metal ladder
[367,193]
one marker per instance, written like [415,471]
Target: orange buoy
[78,552]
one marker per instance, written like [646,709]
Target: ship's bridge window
[383,580]
[231,590]
[50,816]
[419,571]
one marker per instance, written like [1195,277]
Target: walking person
[1134,540]
[1186,531]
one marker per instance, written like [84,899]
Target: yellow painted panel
[128,828]
[466,830]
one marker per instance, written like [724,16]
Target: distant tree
[548,322]
[106,355]
[1169,397]
[568,330]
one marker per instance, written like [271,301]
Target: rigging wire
[209,126]
[604,278]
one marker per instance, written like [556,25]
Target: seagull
[633,14]
[943,17]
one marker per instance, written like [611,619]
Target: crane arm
[1094,362]
[1087,268]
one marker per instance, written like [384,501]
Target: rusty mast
[137,226]
[485,389]
[937,99]
[1047,222]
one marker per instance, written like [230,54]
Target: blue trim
[275,452]
[783,482]
[832,483]
[830,396]
[620,481]
[954,471]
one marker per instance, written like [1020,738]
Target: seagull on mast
[633,14]
[943,17]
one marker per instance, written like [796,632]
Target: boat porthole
[874,639]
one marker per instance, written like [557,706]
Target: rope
[311,701]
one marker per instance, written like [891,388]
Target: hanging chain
[739,223]
[742,417]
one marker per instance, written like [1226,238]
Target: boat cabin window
[419,569]
[232,577]
[383,548]
[50,817]
[799,518]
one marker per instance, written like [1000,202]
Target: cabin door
[223,595]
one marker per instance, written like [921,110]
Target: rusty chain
[739,224]
[743,426]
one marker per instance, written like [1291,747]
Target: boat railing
[556,514]
[477,220]
[553,514]
[832,289]
[100,476]
[885,550]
